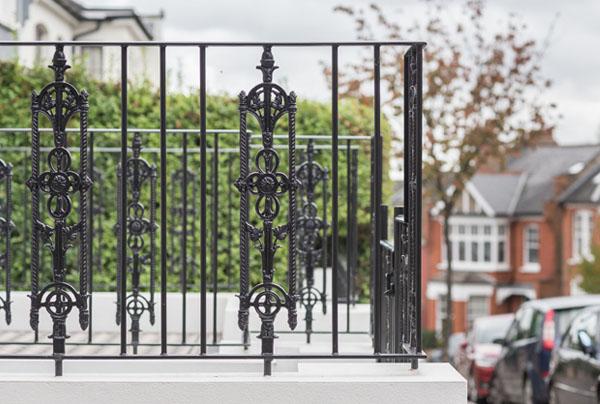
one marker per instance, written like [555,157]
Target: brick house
[517,234]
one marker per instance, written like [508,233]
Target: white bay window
[478,244]
[582,231]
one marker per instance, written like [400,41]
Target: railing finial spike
[267,64]
[59,63]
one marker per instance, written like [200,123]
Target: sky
[571,61]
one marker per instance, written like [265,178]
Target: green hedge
[16,85]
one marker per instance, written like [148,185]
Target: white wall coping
[313,382]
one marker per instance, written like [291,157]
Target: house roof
[499,190]
[586,189]
[528,182]
[100,14]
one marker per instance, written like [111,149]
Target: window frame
[528,265]
[466,231]
[88,51]
[582,234]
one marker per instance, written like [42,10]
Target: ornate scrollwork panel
[141,231]
[311,232]
[267,183]
[59,101]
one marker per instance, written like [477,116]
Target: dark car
[521,374]
[478,355]
[575,365]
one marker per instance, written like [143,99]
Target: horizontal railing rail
[178,215]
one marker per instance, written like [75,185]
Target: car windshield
[489,329]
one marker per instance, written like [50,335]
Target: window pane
[474,251]
[501,230]
[93,57]
[487,230]
[577,235]
[536,325]
[487,251]
[525,324]
[461,229]
[533,256]
[474,230]
[532,244]
[501,251]
[461,251]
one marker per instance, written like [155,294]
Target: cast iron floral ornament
[267,102]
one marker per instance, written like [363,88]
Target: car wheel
[527,397]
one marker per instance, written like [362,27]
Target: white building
[56,20]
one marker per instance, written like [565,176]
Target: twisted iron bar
[137,173]
[59,101]
[310,241]
[6,229]
[267,102]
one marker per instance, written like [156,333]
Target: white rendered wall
[142,61]
[210,382]
[58,23]
[8,13]
[104,312]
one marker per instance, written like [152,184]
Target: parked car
[521,374]
[477,358]
[575,364]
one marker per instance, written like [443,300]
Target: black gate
[278,214]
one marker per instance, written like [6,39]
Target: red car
[478,355]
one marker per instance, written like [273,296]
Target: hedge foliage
[17,83]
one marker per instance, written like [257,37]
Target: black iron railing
[163,214]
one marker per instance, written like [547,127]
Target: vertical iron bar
[397,267]
[348,232]
[419,195]
[377,194]
[229,219]
[334,200]
[184,238]
[408,203]
[354,224]
[214,230]
[163,201]
[203,200]
[7,229]
[325,244]
[91,238]
[123,203]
